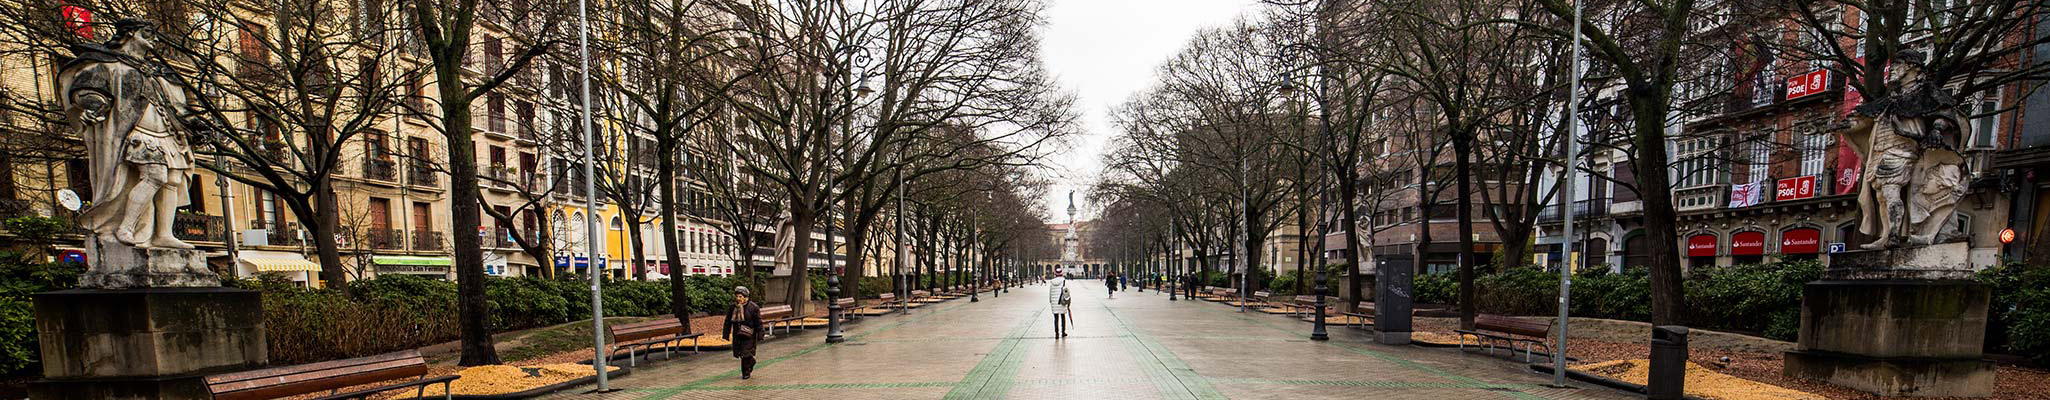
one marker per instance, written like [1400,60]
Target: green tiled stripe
[730,374]
[993,376]
[1174,377]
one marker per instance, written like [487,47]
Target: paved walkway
[1135,346]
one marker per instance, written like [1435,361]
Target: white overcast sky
[1106,50]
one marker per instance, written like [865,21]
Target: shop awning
[277,261]
[412,260]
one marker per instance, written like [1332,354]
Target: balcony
[192,227]
[424,240]
[279,236]
[498,176]
[422,175]
[384,238]
[380,169]
[1581,209]
[502,239]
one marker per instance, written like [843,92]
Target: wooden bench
[779,315]
[1364,311]
[1489,328]
[889,300]
[331,376]
[1304,304]
[847,306]
[666,332]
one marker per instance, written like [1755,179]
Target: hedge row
[1764,298]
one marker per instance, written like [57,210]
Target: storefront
[430,267]
[291,266]
[1747,248]
[1701,250]
[1800,244]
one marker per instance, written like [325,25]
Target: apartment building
[1762,172]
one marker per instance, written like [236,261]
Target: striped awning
[277,261]
[412,260]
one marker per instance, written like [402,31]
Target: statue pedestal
[1911,330]
[144,343]
[156,267]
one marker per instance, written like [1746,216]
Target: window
[1814,148]
[1761,160]
[267,209]
[1765,90]
[1697,165]
[376,144]
[1985,122]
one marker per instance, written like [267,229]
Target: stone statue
[786,246]
[128,112]
[1913,173]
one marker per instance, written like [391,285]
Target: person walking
[1110,282]
[1059,299]
[744,329]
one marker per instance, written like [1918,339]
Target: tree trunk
[639,267]
[1348,199]
[679,299]
[1462,143]
[857,250]
[1667,301]
[463,187]
[326,215]
[799,292]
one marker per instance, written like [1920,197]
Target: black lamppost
[833,311]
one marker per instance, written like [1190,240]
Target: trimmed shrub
[1764,298]
[1283,284]
[21,276]
[2020,312]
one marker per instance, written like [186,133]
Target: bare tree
[445,31]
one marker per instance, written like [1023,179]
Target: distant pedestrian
[1110,281]
[744,329]
[1058,287]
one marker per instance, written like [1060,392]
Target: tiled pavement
[1136,346]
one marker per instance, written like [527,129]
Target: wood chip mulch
[1752,358]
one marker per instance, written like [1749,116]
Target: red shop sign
[1701,246]
[1801,241]
[1807,84]
[1747,244]
[1796,188]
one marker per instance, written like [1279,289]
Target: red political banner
[78,19]
[1796,188]
[1810,83]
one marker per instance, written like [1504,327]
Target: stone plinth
[121,266]
[1897,336]
[144,343]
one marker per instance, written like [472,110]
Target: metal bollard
[1668,363]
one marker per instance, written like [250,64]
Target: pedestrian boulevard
[1134,346]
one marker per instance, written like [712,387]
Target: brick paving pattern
[1136,346]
